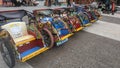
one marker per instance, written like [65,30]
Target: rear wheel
[48,37]
[7,53]
[86,19]
[97,14]
[94,15]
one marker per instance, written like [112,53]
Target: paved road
[118,8]
[84,50]
[94,47]
[97,46]
[111,19]
[29,8]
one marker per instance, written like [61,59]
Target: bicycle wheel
[48,37]
[7,53]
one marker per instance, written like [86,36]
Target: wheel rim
[46,37]
[5,54]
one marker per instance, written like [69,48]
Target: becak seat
[60,27]
[18,31]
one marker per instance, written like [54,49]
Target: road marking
[116,15]
[118,6]
[105,29]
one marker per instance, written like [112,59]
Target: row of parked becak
[20,40]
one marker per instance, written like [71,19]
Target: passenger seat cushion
[58,24]
[24,38]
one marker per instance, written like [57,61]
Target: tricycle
[46,18]
[21,40]
[70,17]
[94,12]
[85,14]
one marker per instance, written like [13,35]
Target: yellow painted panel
[92,21]
[24,41]
[88,24]
[67,36]
[79,29]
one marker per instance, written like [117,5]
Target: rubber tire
[51,37]
[97,14]
[80,19]
[8,45]
[87,17]
[90,16]
[93,14]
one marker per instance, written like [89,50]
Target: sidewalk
[29,8]
[118,6]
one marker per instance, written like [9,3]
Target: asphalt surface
[118,8]
[86,49]
[83,50]
[111,19]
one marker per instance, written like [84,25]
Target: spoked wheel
[85,19]
[7,53]
[97,14]
[48,37]
[93,14]
[90,17]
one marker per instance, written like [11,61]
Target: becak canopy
[6,15]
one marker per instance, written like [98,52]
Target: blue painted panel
[29,51]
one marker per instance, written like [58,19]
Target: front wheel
[97,14]
[48,37]
[7,53]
